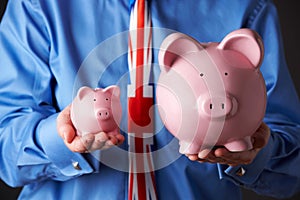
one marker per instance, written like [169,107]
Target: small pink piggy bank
[212,94]
[96,110]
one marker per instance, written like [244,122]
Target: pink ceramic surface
[212,94]
[96,110]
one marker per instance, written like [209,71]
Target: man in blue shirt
[51,48]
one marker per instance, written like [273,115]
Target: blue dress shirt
[48,49]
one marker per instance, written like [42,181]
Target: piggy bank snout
[217,107]
[103,114]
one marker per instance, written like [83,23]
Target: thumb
[261,136]
[65,126]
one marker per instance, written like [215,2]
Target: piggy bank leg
[188,148]
[242,144]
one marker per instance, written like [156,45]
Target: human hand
[223,156]
[87,142]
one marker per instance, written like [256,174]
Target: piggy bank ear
[114,90]
[84,91]
[174,46]
[246,42]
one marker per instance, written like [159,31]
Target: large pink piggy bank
[96,110]
[212,94]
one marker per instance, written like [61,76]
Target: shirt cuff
[69,163]
[248,174]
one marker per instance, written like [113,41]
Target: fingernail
[202,154]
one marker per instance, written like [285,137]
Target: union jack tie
[141,182]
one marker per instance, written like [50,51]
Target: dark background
[290,26]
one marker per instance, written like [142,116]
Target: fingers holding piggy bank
[91,121]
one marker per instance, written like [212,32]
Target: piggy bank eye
[107,99]
[95,100]
[201,74]
[226,73]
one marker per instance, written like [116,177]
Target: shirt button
[76,165]
[240,172]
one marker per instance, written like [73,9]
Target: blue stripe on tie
[131,4]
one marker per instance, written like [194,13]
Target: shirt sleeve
[31,149]
[275,171]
